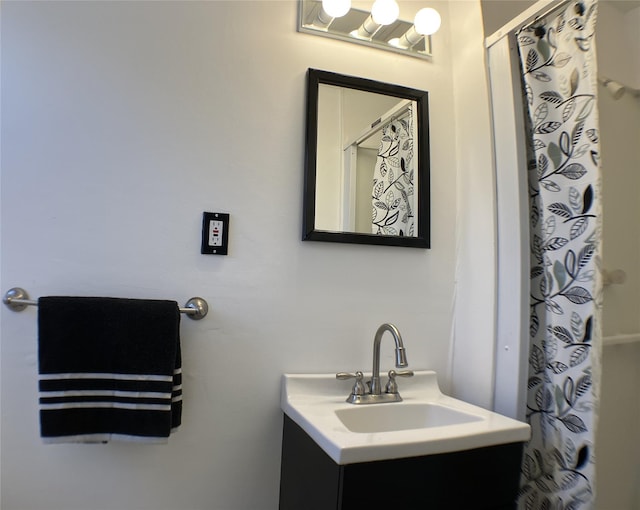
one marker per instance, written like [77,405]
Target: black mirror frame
[316,77]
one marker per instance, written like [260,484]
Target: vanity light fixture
[330,10]
[336,8]
[379,28]
[323,20]
[383,12]
[426,22]
[367,30]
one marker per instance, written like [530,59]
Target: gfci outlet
[215,233]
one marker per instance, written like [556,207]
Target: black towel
[110,369]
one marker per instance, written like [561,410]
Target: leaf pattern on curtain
[392,193]
[559,72]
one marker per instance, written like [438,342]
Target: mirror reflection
[367,162]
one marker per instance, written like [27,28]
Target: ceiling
[498,12]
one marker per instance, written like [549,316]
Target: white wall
[328,181]
[618,38]
[121,123]
[618,448]
[620,156]
[617,445]
[619,136]
[473,352]
[631,23]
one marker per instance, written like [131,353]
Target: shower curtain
[558,64]
[392,194]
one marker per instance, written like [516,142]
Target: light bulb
[385,12]
[336,8]
[427,21]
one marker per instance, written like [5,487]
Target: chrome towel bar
[17,300]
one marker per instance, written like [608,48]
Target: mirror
[366,162]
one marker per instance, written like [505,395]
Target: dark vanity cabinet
[480,479]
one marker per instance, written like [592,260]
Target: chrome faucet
[374,396]
[401,357]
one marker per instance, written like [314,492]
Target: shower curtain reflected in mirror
[393,180]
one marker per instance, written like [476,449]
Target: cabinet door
[309,478]
[481,479]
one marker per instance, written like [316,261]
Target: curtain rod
[537,11]
[391,114]
[17,300]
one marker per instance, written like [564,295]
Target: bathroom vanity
[429,451]
[482,478]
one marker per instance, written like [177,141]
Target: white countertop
[311,401]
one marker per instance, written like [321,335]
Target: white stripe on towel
[104,393]
[105,405]
[100,375]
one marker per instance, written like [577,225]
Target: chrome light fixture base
[356,27]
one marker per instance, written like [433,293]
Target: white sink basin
[426,422]
[381,418]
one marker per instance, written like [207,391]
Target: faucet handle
[392,385]
[358,387]
[400,373]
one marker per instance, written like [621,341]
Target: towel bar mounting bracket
[17,299]
[196,308]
